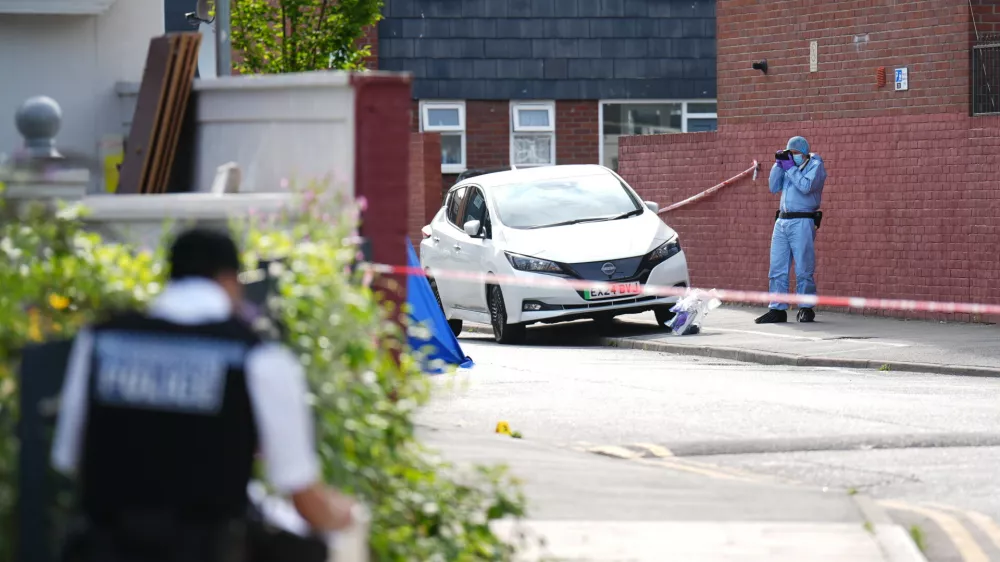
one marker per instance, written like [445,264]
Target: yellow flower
[58,302]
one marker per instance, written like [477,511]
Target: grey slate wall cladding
[552,49]
[173,15]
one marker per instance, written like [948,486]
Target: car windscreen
[561,201]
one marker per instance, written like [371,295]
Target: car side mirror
[652,206]
[472,228]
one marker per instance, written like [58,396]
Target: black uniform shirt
[180,398]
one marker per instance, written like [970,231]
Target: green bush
[366,386]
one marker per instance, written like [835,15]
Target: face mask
[798,158]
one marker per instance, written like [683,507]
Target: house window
[620,118]
[533,134]
[448,119]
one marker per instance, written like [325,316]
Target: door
[444,237]
[469,254]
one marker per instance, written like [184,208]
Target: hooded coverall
[801,189]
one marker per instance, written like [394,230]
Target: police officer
[799,176]
[163,413]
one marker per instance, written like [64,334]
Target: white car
[497,233]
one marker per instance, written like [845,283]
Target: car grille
[607,302]
[626,269]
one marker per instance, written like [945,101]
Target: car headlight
[535,265]
[665,251]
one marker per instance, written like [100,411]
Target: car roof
[497,179]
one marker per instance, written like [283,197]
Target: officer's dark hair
[202,252]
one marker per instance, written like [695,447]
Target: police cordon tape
[752,169]
[725,295]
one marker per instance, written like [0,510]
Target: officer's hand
[343,510]
[786,164]
[323,508]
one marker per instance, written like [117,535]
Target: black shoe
[773,317]
[807,315]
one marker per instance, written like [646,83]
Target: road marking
[657,451]
[686,467]
[614,451]
[980,520]
[965,544]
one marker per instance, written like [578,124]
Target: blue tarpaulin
[441,345]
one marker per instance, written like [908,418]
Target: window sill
[55,7]
[453,168]
[519,166]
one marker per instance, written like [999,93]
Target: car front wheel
[503,332]
[663,315]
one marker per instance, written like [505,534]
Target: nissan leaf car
[515,248]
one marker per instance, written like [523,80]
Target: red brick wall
[577,134]
[487,134]
[986,17]
[912,190]
[425,182]
[371,38]
[382,156]
[854,37]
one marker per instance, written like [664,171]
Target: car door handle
[458,248]
[436,239]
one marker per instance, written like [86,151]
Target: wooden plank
[182,175]
[154,156]
[187,62]
[140,139]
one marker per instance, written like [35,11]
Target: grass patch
[919,538]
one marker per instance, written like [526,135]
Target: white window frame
[684,115]
[425,107]
[515,129]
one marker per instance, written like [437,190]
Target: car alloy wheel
[503,332]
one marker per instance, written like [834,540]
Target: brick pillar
[370,38]
[425,182]
[382,154]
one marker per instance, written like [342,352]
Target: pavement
[593,508]
[834,340]
[699,458]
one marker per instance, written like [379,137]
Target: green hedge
[366,387]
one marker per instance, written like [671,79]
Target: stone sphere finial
[39,120]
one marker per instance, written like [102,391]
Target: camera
[783,155]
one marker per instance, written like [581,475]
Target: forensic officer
[799,176]
[163,413]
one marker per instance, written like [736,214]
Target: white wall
[295,127]
[76,60]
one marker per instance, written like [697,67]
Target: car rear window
[537,204]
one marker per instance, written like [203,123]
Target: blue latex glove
[786,164]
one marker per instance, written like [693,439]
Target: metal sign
[902,79]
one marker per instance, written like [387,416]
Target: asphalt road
[925,444]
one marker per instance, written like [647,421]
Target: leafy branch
[279,36]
